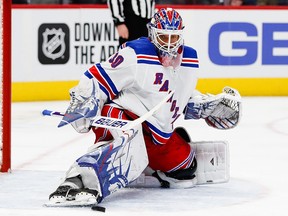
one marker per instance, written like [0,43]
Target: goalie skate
[66,196]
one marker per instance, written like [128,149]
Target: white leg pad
[113,165]
[213,164]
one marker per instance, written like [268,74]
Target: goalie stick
[114,123]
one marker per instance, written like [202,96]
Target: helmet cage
[168,46]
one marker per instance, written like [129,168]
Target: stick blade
[69,118]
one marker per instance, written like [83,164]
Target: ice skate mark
[279,126]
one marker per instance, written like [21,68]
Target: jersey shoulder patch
[189,52]
[142,46]
[190,58]
[145,51]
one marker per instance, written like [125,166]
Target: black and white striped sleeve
[142,8]
[117,11]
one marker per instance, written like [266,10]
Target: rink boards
[244,48]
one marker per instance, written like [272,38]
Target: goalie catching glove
[83,106]
[220,111]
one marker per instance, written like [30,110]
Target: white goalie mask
[166,33]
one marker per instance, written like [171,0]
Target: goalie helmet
[166,33]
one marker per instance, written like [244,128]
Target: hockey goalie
[153,79]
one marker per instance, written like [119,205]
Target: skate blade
[83,203]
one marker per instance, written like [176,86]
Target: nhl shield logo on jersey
[53,47]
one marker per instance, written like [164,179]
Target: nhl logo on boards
[53,40]
[53,43]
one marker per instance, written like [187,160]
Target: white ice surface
[41,153]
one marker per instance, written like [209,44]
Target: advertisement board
[52,47]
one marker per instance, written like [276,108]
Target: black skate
[66,196]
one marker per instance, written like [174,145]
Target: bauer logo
[53,43]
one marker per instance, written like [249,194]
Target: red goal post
[5,89]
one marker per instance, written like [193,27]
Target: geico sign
[238,43]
